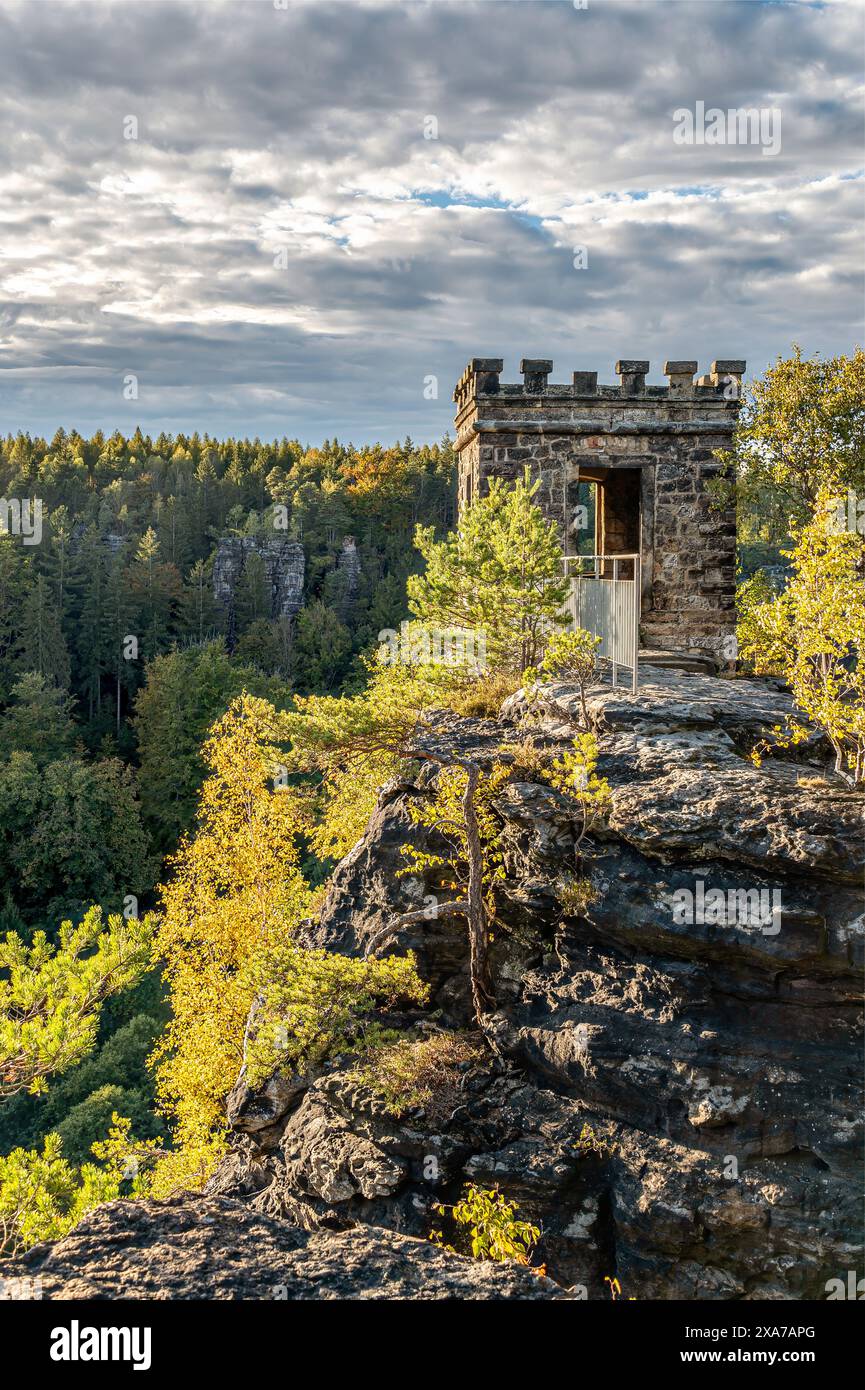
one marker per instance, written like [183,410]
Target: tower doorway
[603,514]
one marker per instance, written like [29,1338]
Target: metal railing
[606,602]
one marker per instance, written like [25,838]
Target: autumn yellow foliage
[236,889]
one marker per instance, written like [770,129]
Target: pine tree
[322,649]
[51,998]
[156,589]
[252,601]
[89,620]
[499,574]
[120,626]
[197,613]
[37,719]
[15,575]
[43,646]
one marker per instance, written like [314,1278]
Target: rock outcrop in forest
[282,573]
[674,1102]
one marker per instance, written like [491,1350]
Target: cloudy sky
[285,218]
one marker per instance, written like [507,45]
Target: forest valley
[168,823]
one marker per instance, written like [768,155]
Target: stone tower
[648,451]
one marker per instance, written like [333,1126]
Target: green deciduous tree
[184,692]
[235,887]
[494,1230]
[82,840]
[801,432]
[88,1121]
[813,634]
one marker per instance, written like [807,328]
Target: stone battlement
[481,378]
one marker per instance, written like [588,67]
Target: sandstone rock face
[348,567]
[678,1099]
[283,565]
[200,1248]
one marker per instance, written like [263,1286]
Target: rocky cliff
[677,1099]
[282,572]
[678,1103]
[348,567]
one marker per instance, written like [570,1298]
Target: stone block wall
[664,437]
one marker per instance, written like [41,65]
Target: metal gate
[605,600]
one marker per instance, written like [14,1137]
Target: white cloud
[302,132]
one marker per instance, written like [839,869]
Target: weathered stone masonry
[649,449]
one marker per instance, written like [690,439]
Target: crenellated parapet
[482,377]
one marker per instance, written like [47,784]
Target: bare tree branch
[458,908]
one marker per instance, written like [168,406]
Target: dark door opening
[604,515]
